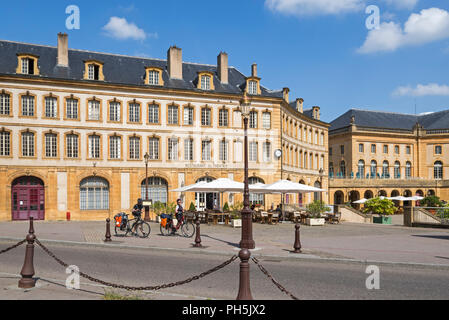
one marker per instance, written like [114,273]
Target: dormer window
[27,64]
[205,81]
[252,87]
[93,71]
[154,76]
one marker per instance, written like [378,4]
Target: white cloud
[431,89]
[402,4]
[427,26]
[121,29]
[314,7]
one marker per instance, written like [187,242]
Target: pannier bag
[118,220]
[163,222]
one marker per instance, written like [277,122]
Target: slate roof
[118,69]
[390,120]
[308,112]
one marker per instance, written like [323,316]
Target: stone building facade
[388,154]
[75,127]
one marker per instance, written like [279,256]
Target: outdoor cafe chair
[264,216]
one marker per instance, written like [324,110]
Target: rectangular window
[205,117]
[223,117]
[342,149]
[330,151]
[115,143]
[5,104]
[385,149]
[153,148]
[267,152]
[28,144]
[51,107]
[266,120]
[94,147]
[28,106]
[114,111]
[206,150]
[188,149]
[396,149]
[252,87]
[134,112]
[253,151]
[223,154]
[5,144]
[172,149]
[172,115]
[134,148]
[205,82]
[188,116]
[361,147]
[253,120]
[407,150]
[438,150]
[27,66]
[71,109]
[93,72]
[94,110]
[51,145]
[72,146]
[153,113]
[153,77]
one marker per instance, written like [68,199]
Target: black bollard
[297,245]
[27,272]
[108,231]
[198,233]
[244,285]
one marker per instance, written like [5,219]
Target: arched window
[408,169]
[361,169]
[397,170]
[256,198]
[438,170]
[385,169]
[373,168]
[157,189]
[94,194]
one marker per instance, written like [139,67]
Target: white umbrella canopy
[219,185]
[287,186]
[257,188]
[415,198]
[399,198]
[361,201]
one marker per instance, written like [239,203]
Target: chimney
[254,70]
[222,66]
[285,92]
[174,62]
[316,112]
[300,105]
[63,49]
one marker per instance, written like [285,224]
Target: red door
[28,199]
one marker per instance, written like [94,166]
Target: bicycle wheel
[188,229]
[143,229]
[166,231]
[121,231]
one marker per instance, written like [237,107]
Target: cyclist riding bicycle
[137,211]
[179,214]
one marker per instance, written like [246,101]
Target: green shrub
[379,206]
[192,207]
[317,208]
[431,201]
[226,207]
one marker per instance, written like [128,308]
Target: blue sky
[320,49]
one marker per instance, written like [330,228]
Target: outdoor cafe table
[215,216]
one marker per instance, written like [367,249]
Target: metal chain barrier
[18,244]
[277,284]
[152,288]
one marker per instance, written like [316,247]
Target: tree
[226,207]
[380,206]
[431,201]
[317,208]
[192,207]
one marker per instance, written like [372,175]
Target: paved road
[307,279]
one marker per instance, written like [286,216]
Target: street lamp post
[147,209]
[247,241]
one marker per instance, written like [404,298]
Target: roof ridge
[389,112]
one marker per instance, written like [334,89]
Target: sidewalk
[361,242]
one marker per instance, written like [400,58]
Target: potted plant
[236,218]
[432,202]
[192,207]
[226,207]
[382,207]
[316,209]
[158,210]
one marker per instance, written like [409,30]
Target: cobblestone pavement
[342,241]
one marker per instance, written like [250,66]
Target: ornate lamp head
[245,104]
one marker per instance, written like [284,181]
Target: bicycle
[187,227]
[141,228]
